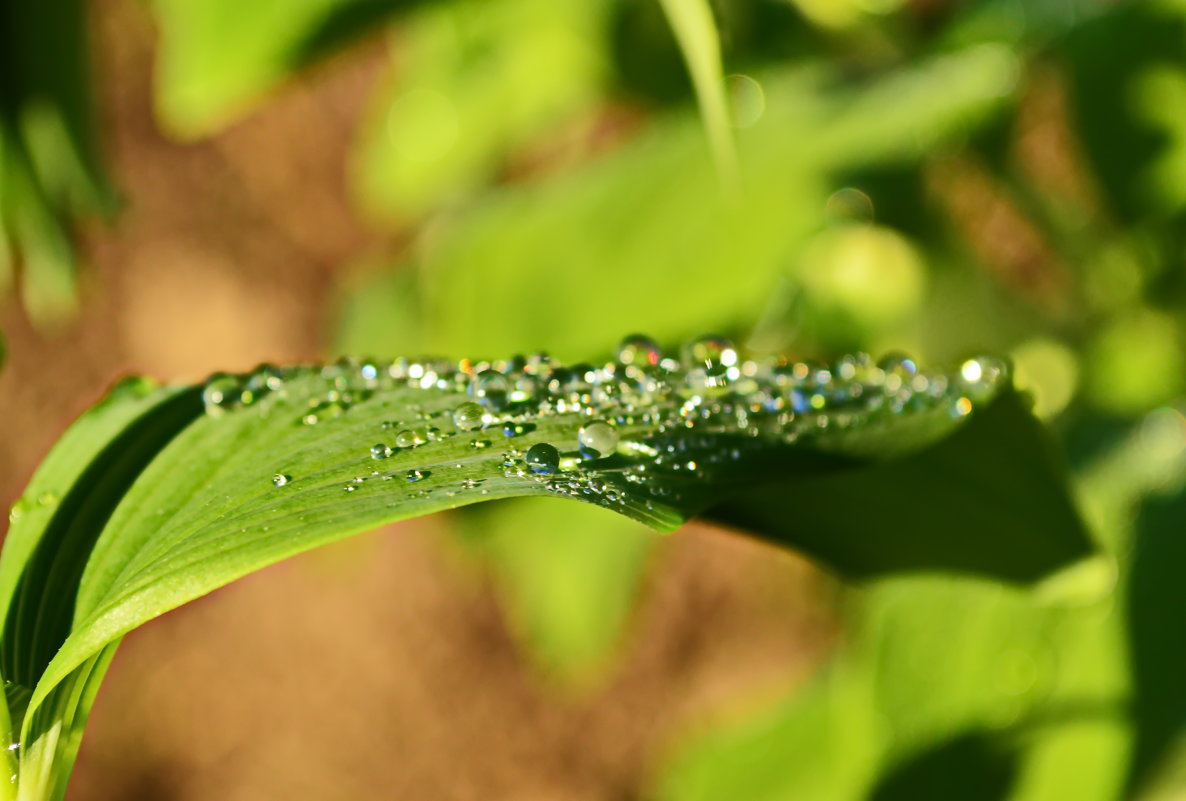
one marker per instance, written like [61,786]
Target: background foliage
[938,177]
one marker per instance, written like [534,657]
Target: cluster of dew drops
[643,425]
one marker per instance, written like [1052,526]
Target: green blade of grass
[695,30]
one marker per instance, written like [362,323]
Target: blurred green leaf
[1123,65]
[477,81]
[567,576]
[696,31]
[505,273]
[975,766]
[941,680]
[49,167]
[217,58]
[1156,641]
[1043,676]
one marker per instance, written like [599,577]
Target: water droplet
[972,371]
[417,475]
[406,439]
[598,436]
[517,429]
[18,509]
[898,363]
[479,444]
[639,351]
[710,351]
[220,393]
[280,479]
[542,459]
[489,387]
[524,388]
[380,451]
[469,416]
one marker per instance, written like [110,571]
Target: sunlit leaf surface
[282,460]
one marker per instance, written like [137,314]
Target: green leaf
[930,658]
[696,31]
[49,165]
[217,58]
[477,82]
[1126,69]
[503,274]
[566,574]
[939,677]
[53,528]
[285,460]
[986,500]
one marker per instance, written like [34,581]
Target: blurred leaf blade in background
[475,84]
[218,59]
[696,31]
[49,163]
[479,269]
[567,577]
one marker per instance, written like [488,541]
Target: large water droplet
[542,459]
[710,351]
[280,479]
[980,375]
[517,429]
[221,392]
[18,509]
[599,436]
[380,451]
[469,416]
[960,407]
[523,389]
[489,387]
[638,351]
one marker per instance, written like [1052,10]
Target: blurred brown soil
[380,667]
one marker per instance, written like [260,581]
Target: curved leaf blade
[206,512]
[989,500]
[53,528]
[286,460]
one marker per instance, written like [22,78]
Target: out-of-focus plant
[49,171]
